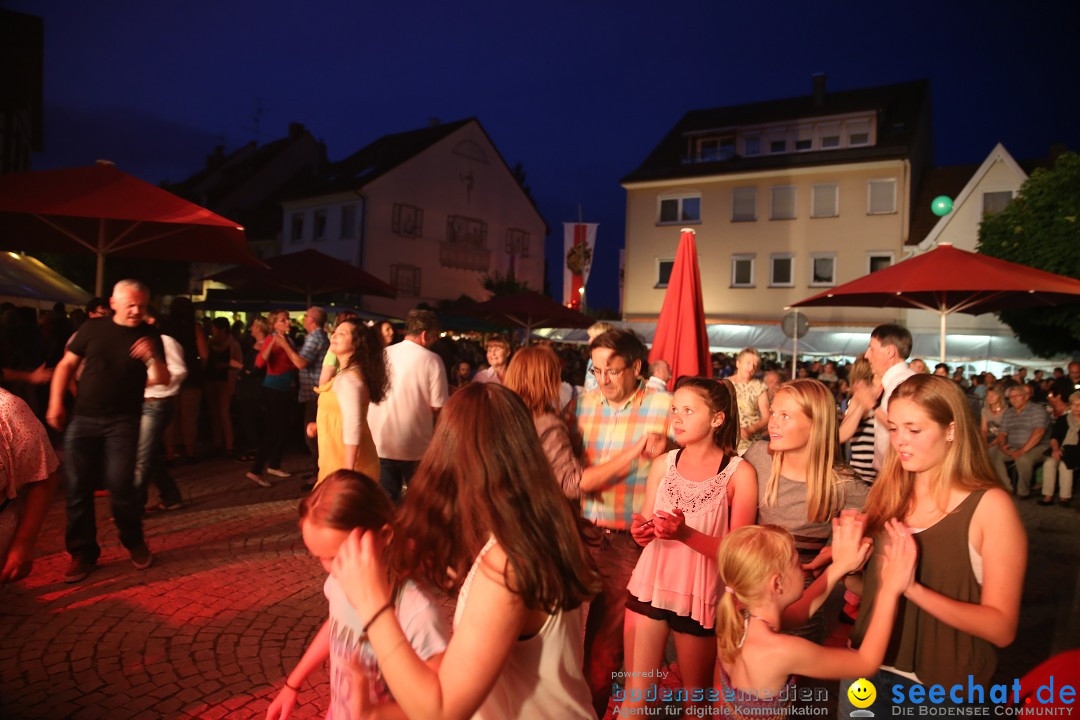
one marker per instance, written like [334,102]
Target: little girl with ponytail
[762,591]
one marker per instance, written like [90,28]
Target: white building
[431,211]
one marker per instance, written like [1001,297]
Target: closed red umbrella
[948,280]
[104,211]
[680,337]
[308,272]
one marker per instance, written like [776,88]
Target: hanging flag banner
[579,243]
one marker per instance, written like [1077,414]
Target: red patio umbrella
[947,280]
[681,338]
[308,272]
[104,211]
[528,310]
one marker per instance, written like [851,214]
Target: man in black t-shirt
[121,355]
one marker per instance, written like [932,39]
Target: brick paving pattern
[233,598]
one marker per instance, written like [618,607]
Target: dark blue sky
[579,92]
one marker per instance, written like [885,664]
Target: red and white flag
[575,235]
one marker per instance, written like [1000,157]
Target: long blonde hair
[748,557]
[965,467]
[824,492]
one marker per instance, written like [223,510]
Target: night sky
[578,92]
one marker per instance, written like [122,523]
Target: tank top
[936,652]
[671,575]
[542,676]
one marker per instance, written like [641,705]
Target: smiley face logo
[862,693]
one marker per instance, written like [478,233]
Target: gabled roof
[957,182]
[388,152]
[948,181]
[382,155]
[898,107]
[214,186]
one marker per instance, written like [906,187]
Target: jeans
[395,474]
[616,557]
[101,448]
[150,456]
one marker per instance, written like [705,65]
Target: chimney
[819,89]
[296,130]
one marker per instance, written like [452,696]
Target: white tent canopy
[836,342]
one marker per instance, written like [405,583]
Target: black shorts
[678,623]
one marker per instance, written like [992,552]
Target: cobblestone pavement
[232,600]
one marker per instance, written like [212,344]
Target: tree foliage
[1040,228]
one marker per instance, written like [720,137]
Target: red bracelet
[294,689]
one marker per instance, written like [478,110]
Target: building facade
[787,198]
[431,211]
[976,191]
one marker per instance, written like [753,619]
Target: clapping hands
[849,548]
[901,554]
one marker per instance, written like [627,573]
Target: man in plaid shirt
[623,425]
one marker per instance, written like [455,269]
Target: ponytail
[748,557]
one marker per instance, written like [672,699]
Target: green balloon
[942,205]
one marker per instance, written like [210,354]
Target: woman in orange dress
[341,423]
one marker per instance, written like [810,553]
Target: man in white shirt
[402,424]
[890,346]
[159,405]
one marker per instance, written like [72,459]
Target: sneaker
[141,557]
[78,569]
[278,472]
[258,479]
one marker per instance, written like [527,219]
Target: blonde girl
[937,480]
[762,590]
[802,481]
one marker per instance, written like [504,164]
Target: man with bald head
[121,355]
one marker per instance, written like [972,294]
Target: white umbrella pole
[795,349]
[942,337]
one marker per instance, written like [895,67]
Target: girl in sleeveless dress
[965,600]
[763,589]
[341,422]
[347,500]
[692,498]
[484,518]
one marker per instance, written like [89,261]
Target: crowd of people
[580,525]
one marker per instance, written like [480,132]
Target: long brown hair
[824,492]
[484,474]
[369,358]
[534,375]
[965,467]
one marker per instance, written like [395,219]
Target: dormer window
[715,149]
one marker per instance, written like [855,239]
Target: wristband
[294,689]
[380,611]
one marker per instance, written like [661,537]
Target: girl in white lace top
[692,499]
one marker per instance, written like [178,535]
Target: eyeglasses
[610,372]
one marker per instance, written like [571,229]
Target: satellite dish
[795,325]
